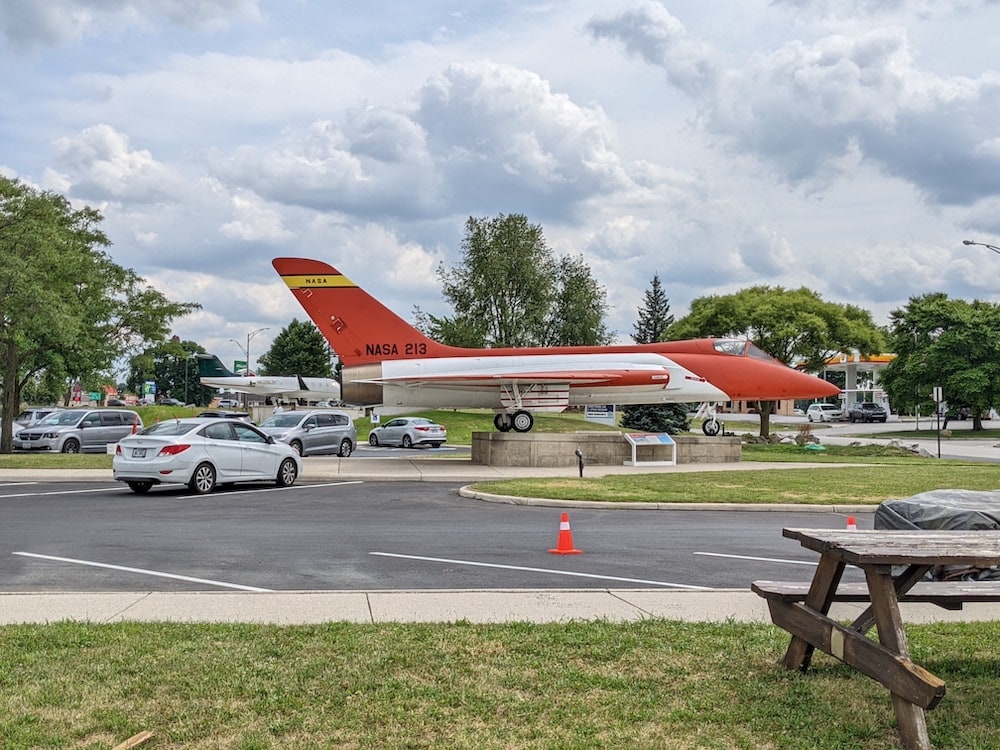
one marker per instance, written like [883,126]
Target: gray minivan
[315,431]
[78,430]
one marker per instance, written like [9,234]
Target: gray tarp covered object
[951,510]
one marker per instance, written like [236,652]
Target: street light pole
[250,336]
[994,248]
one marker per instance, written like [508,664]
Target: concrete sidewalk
[479,606]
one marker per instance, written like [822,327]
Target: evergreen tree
[650,328]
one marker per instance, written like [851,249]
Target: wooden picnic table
[880,554]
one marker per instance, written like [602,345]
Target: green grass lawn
[649,684]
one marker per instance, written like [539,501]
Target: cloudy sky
[844,145]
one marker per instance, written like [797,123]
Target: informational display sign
[656,438]
[239,366]
[603,414]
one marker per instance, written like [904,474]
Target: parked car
[409,432]
[312,432]
[78,430]
[222,414]
[203,453]
[824,413]
[866,411]
[33,415]
[167,401]
[228,403]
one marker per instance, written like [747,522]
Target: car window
[340,420]
[61,418]
[247,434]
[395,423]
[111,418]
[281,420]
[310,422]
[171,427]
[218,431]
[325,420]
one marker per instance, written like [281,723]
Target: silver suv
[33,415]
[316,431]
[77,430]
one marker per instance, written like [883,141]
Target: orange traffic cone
[565,544]
[852,525]
[135,424]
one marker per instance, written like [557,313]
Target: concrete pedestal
[539,449]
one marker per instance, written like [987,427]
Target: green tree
[298,349]
[67,311]
[509,291]
[795,326]
[505,284]
[650,328]
[954,344]
[579,307]
[171,365]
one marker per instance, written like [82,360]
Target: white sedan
[203,453]
[408,432]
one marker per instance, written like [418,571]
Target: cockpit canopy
[741,348]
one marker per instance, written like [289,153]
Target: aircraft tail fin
[360,329]
[210,366]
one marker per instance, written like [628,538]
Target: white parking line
[473,563]
[141,571]
[59,492]
[758,559]
[251,491]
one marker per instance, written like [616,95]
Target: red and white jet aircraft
[390,364]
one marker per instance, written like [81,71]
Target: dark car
[167,401]
[866,411]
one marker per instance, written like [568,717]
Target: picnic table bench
[895,564]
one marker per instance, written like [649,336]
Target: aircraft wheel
[523,421]
[711,427]
[502,422]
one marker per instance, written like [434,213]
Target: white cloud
[99,165]
[29,23]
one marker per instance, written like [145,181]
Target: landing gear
[711,426]
[523,421]
[519,421]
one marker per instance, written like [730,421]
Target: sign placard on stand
[656,438]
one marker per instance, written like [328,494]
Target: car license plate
[138,453]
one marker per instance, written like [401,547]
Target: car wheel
[810,418]
[407,443]
[203,480]
[296,446]
[345,448]
[71,446]
[373,440]
[288,472]
[140,488]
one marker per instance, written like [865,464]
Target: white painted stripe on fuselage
[486,373]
